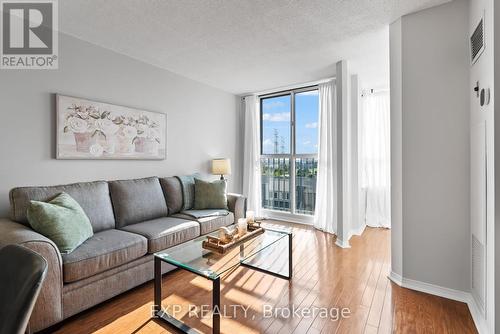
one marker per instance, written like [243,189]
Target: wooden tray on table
[221,247]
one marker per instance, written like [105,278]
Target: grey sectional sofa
[131,219]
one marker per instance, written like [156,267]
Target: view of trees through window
[289,148]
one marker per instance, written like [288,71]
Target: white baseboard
[477,316]
[345,243]
[436,290]
[358,231]
[396,278]
[342,243]
[461,296]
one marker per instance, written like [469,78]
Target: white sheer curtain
[375,176]
[325,217]
[251,161]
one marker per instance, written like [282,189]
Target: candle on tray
[242,226]
[250,216]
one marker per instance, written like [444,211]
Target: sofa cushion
[137,200]
[172,190]
[209,223]
[93,197]
[105,250]
[165,232]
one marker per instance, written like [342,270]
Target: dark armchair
[22,272]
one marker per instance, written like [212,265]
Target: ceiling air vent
[477,42]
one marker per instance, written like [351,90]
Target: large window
[289,148]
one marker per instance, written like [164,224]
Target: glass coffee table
[191,256]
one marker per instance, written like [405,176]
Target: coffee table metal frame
[181,326]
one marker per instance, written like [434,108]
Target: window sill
[286,216]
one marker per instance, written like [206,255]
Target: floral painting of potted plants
[94,130]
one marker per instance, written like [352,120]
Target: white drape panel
[251,160]
[375,182]
[325,216]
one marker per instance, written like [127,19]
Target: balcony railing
[306,170]
[277,183]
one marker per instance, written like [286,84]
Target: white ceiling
[245,46]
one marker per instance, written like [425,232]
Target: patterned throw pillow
[187,184]
[62,220]
[210,195]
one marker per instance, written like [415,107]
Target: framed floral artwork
[94,130]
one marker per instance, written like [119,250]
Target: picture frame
[89,129]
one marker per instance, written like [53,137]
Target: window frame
[292,215]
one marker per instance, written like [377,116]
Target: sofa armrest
[48,308]
[237,204]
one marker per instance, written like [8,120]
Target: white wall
[342,100]
[203,122]
[496,181]
[395,35]
[357,223]
[430,170]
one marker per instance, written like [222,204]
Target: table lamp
[221,167]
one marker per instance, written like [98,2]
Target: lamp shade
[221,166]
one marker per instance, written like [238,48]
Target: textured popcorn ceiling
[245,46]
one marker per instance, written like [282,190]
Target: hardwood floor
[325,276]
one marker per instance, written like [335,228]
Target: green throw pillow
[62,220]
[210,195]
